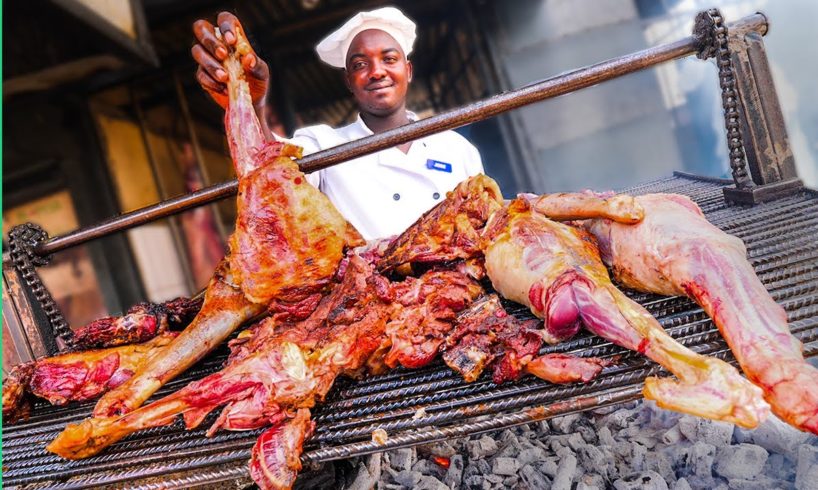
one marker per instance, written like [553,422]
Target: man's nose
[377,72]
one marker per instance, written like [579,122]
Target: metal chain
[23,239]
[711,33]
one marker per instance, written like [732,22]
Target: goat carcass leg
[288,242]
[77,376]
[556,270]
[224,309]
[276,456]
[676,251]
[568,206]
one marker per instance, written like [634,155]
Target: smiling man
[383,193]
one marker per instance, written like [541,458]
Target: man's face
[377,72]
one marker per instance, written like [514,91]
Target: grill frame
[778,237]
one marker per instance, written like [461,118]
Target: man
[380,194]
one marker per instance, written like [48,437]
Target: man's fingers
[208,63]
[228,25]
[255,66]
[206,35]
[208,83]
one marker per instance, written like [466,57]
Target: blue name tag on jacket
[438,165]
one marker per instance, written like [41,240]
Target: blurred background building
[102,114]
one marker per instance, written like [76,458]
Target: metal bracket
[756,134]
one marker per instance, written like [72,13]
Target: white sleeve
[309,145]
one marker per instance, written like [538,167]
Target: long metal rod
[478,111]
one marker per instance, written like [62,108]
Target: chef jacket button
[436,196]
[396,196]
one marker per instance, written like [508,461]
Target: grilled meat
[450,230]
[286,247]
[76,376]
[676,251]
[556,271]
[140,323]
[425,311]
[485,334]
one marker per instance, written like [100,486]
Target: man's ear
[410,69]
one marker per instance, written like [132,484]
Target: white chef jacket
[382,194]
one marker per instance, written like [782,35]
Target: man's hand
[209,52]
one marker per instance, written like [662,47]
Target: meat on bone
[287,244]
[676,251]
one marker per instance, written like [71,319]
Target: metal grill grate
[780,238]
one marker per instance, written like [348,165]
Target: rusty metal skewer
[478,111]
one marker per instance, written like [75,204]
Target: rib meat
[556,271]
[287,245]
[676,251]
[140,323]
[485,334]
[76,376]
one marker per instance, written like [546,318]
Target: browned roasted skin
[140,323]
[556,271]
[15,404]
[676,251]
[78,376]
[288,241]
[450,230]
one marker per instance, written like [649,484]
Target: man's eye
[358,65]
[391,59]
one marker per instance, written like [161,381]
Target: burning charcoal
[426,467]
[565,424]
[533,479]
[430,483]
[715,432]
[681,484]
[672,435]
[444,449]
[505,466]
[595,459]
[649,480]
[548,467]
[591,481]
[368,474]
[496,479]
[454,474]
[588,434]
[638,453]
[777,436]
[806,472]
[761,483]
[402,459]
[565,473]
[701,457]
[689,427]
[659,462]
[476,482]
[605,437]
[482,448]
[408,478]
[576,442]
[511,481]
[740,461]
[531,455]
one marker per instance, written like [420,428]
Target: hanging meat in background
[676,251]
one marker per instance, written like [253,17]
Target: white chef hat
[333,49]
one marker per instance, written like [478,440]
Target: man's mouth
[379,87]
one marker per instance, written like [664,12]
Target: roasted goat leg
[556,271]
[293,368]
[676,251]
[486,335]
[76,376]
[140,323]
[288,241]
